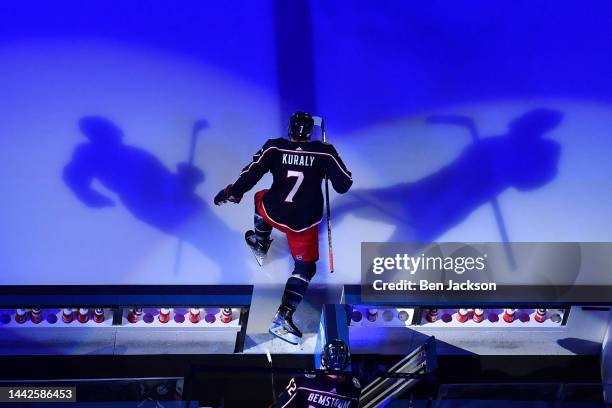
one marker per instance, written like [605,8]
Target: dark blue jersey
[319,392]
[295,199]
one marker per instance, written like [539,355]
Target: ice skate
[283,327]
[259,247]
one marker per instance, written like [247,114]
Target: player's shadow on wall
[149,190]
[424,210]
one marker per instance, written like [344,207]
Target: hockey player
[293,205]
[339,390]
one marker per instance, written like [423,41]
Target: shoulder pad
[272,142]
[329,148]
[356,382]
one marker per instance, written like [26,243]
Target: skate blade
[258,258]
[284,335]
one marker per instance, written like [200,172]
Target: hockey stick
[330,250]
[198,126]
[468,123]
[269,357]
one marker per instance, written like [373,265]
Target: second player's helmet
[301,125]
[335,355]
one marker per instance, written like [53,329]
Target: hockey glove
[225,195]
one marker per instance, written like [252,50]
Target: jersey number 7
[296,186]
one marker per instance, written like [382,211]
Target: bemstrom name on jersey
[298,159]
[328,401]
